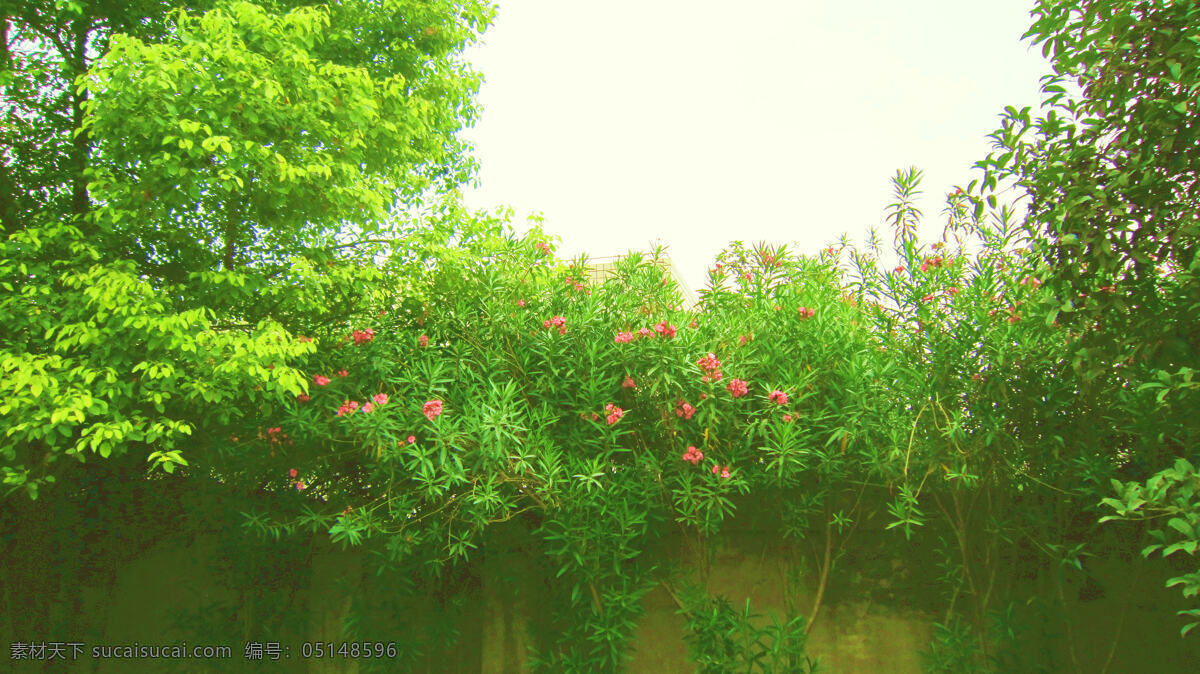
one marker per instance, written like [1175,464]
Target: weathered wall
[877,615]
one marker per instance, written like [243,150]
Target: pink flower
[293,472]
[711,367]
[899,270]
[300,486]
[545,248]
[432,409]
[703,396]
[623,337]
[321,380]
[521,303]
[927,297]
[805,312]
[693,325]
[380,398]
[743,339]
[614,413]
[1014,318]
[787,418]
[273,431]
[952,290]
[411,439]
[725,473]
[363,336]
[684,410]
[557,322]
[778,397]
[347,407]
[646,332]
[716,468]
[368,408]
[748,276]
[693,455]
[343,373]
[303,397]
[665,330]
[578,287]
[628,383]
[423,341]
[738,388]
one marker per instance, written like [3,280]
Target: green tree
[243,167]
[1110,168]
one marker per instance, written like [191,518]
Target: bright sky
[697,122]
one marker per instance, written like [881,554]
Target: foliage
[227,154]
[721,639]
[1173,493]
[1110,171]
[271,288]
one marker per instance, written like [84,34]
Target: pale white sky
[697,122]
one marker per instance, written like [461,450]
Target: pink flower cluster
[645,332]
[303,397]
[321,380]
[628,383]
[432,409]
[738,388]
[423,341]
[788,418]
[806,313]
[724,472]
[682,409]
[667,331]
[363,336]
[711,367]
[623,337]
[350,406]
[742,340]
[778,397]
[614,413]
[544,247]
[556,322]
[932,263]
[693,455]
